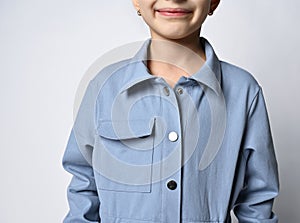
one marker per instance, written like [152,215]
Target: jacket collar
[208,75]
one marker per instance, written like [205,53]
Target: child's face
[174,19]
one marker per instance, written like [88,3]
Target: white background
[45,48]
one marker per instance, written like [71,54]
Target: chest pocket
[123,155]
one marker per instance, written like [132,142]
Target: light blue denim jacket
[141,151]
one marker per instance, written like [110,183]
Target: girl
[172,134]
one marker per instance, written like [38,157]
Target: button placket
[172,190]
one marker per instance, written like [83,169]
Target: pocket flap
[125,129]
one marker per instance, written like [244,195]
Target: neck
[186,54]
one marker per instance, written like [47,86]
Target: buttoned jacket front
[142,151]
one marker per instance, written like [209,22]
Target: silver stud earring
[211,13]
[139,12]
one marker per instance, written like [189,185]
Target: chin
[172,35]
[176,36]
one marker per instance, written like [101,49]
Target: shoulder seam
[253,100]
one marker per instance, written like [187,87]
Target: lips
[173,11]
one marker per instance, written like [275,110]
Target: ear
[213,5]
[136,4]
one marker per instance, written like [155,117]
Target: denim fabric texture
[136,145]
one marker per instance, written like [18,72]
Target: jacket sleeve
[82,191]
[261,184]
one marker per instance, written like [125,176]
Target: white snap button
[173,136]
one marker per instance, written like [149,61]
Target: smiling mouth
[173,12]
